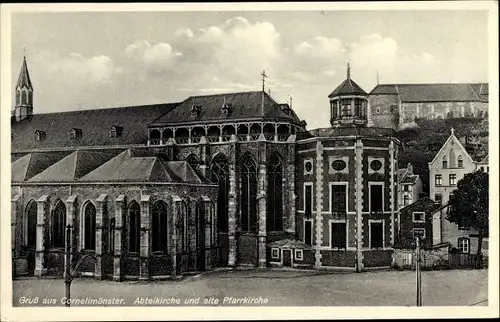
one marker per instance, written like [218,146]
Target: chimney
[410,168]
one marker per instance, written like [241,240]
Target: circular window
[308,166]
[375,165]
[338,165]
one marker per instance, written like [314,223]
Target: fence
[460,260]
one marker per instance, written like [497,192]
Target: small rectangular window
[338,234]
[406,187]
[419,232]
[438,198]
[275,253]
[445,164]
[298,254]
[406,200]
[308,201]
[463,245]
[438,179]
[338,198]
[308,232]
[460,163]
[419,217]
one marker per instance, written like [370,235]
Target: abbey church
[225,180]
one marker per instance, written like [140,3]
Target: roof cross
[264,76]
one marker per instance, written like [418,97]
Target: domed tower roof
[348,87]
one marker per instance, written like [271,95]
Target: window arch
[23,98]
[134,227]
[452,158]
[30,215]
[274,220]
[159,226]
[219,173]
[58,224]
[445,162]
[460,161]
[248,194]
[89,226]
[30,98]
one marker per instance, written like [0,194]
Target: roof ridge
[222,94]
[106,109]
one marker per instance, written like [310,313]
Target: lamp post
[419,279]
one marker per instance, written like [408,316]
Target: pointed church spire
[24,76]
[348,71]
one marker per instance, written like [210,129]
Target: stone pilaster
[120,210]
[43,209]
[392,190]
[359,205]
[262,214]
[319,203]
[290,178]
[74,221]
[208,209]
[100,220]
[177,208]
[233,214]
[145,248]
[16,224]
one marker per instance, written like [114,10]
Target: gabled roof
[95,126]
[139,167]
[289,243]
[32,164]
[402,174]
[485,159]
[410,179]
[244,105]
[455,139]
[422,200]
[348,87]
[24,77]
[461,92]
[74,166]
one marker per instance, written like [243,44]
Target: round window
[376,165]
[338,165]
[308,166]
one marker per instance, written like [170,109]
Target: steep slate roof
[95,126]
[244,105]
[74,166]
[32,164]
[347,87]
[410,179]
[24,76]
[401,174]
[485,159]
[127,166]
[458,92]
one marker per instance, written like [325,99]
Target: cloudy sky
[104,59]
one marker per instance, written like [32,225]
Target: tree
[469,206]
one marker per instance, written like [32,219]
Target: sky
[88,60]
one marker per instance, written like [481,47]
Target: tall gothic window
[89,226]
[274,220]
[58,224]
[219,173]
[18,98]
[134,227]
[23,98]
[31,211]
[159,226]
[248,194]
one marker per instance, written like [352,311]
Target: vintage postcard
[228,161]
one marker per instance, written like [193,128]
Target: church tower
[348,104]
[24,94]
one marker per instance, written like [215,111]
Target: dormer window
[285,108]
[303,123]
[39,135]
[226,108]
[195,110]
[76,134]
[116,131]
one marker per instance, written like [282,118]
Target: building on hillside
[449,166]
[410,186]
[398,105]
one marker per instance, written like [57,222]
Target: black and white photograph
[262,160]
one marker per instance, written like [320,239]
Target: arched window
[58,224]
[274,220]
[219,173]
[460,161]
[23,98]
[445,162]
[31,211]
[452,158]
[30,98]
[248,194]
[159,226]
[134,227]
[18,98]
[89,227]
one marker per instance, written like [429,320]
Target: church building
[225,180]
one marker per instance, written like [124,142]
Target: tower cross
[24,52]
[264,76]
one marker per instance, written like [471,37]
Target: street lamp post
[419,279]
